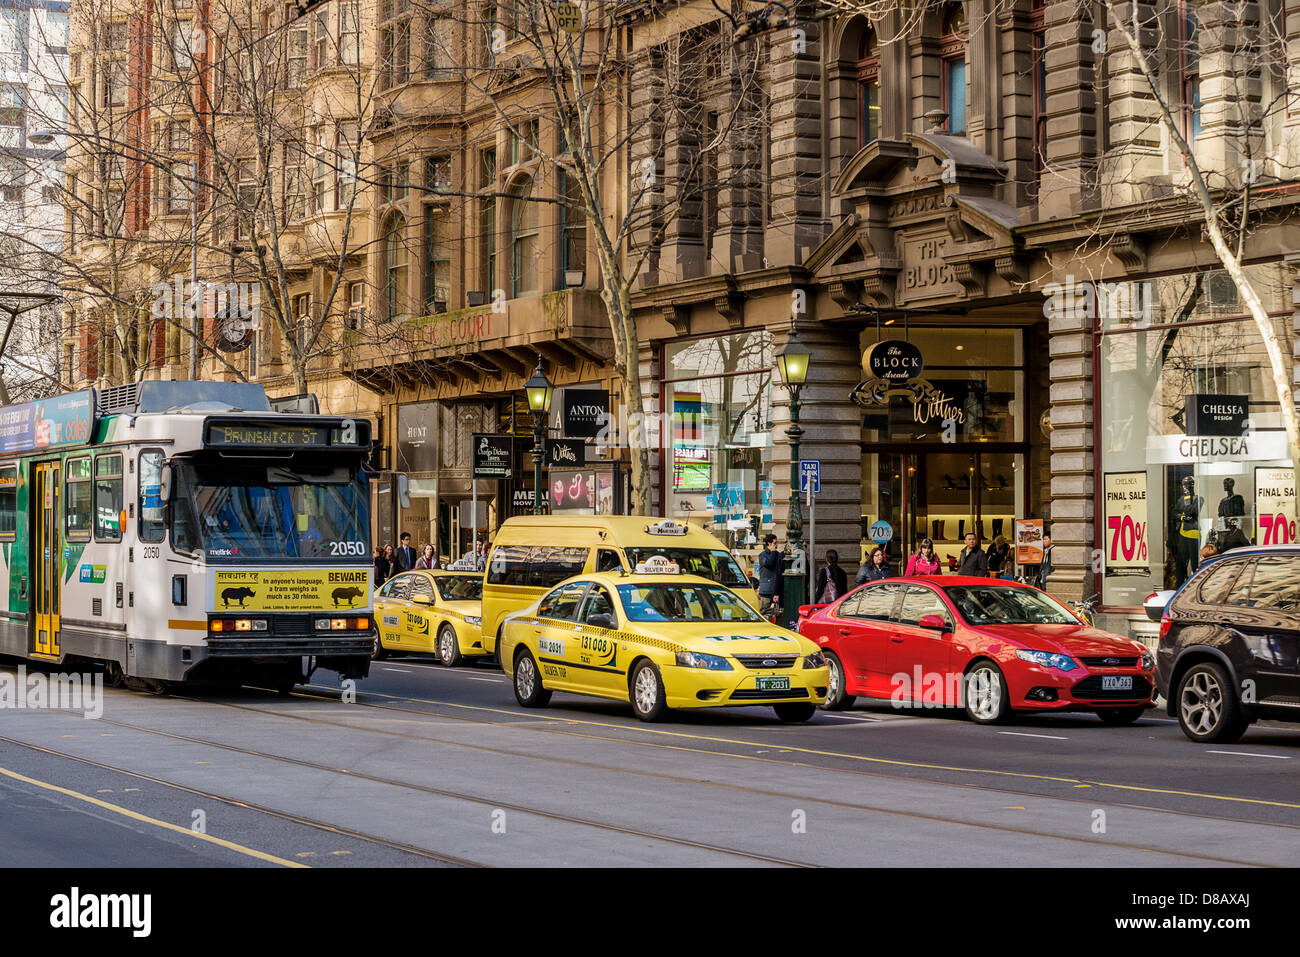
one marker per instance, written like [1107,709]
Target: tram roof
[181,397]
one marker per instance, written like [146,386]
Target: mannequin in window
[1231,505]
[1187,533]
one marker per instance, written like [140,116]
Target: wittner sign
[564,453]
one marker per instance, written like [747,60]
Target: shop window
[8,504]
[1191,444]
[149,497]
[108,498]
[77,500]
[868,88]
[952,54]
[718,394]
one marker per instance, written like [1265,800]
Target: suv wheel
[1208,707]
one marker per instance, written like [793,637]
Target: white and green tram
[185,532]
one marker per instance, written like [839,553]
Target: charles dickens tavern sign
[893,367]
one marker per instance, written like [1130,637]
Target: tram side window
[149,497]
[77,500]
[108,498]
[8,504]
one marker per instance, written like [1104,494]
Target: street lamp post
[539,391]
[792,363]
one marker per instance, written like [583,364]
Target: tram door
[46,564]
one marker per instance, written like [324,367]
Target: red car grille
[1110,661]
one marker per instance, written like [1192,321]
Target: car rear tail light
[1165,624]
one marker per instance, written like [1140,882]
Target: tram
[185,532]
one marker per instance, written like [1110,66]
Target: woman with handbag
[925,561]
[831,580]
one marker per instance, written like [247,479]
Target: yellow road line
[848,757]
[137,816]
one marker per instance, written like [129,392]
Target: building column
[1135,156]
[1070,348]
[794,219]
[1230,59]
[832,427]
[645,94]
[1069,182]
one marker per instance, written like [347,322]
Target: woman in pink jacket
[925,561]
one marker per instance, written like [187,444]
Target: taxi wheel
[379,652]
[987,701]
[1120,715]
[448,647]
[836,699]
[794,711]
[528,682]
[647,692]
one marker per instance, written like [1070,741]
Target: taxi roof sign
[666,527]
[657,565]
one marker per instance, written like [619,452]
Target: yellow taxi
[431,612]
[659,640]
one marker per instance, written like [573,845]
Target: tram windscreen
[253,513]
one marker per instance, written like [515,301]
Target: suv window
[920,601]
[1275,583]
[561,604]
[875,602]
[1214,589]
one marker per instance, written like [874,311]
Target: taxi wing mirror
[601,621]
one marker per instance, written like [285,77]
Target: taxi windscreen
[670,602]
[714,564]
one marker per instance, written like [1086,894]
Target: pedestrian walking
[1045,566]
[875,567]
[383,564]
[831,580]
[771,568]
[406,556]
[925,561]
[972,561]
[427,558]
[997,556]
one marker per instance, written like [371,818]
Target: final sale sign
[1275,505]
[1126,522]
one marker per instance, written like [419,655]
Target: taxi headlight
[696,659]
[473,620]
[815,660]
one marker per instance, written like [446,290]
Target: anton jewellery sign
[585,412]
[894,360]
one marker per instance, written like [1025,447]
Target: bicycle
[1087,609]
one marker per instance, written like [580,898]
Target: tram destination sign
[265,435]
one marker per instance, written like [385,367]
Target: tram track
[746,789]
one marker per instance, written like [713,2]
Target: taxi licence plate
[773,684]
[1116,682]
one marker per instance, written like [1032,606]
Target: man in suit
[404,560]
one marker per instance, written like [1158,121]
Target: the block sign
[894,360]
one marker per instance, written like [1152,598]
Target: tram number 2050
[347,548]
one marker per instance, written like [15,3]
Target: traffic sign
[810,473]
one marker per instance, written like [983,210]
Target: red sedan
[990,646]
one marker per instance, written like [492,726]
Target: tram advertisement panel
[339,589]
[61,420]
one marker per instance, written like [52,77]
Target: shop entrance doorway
[942,496]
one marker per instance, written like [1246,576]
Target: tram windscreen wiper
[276,475]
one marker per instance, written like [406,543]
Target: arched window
[395,266]
[1189,62]
[868,88]
[952,53]
[523,241]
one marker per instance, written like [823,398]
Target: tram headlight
[342,624]
[250,624]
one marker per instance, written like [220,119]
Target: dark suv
[1229,649]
